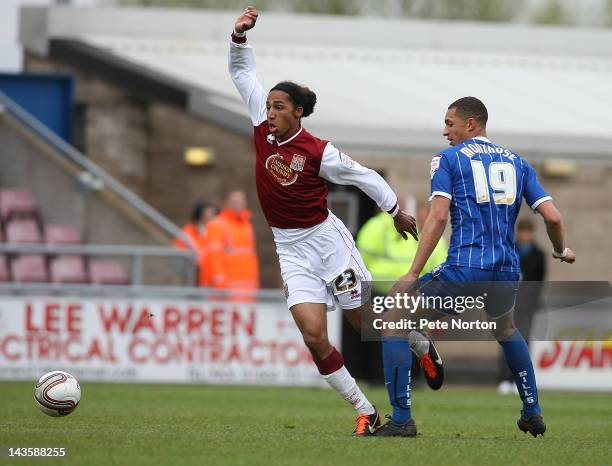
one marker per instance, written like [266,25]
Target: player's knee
[504,326]
[503,332]
[317,342]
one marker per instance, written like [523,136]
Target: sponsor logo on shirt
[280,171]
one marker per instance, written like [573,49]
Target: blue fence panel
[47,97]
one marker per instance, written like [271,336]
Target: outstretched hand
[247,19]
[405,223]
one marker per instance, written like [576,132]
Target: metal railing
[95,178]
[134,252]
[99,179]
[138,292]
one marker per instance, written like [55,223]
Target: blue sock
[397,359]
[519,362]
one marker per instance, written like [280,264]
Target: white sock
[345,384]
[419,344]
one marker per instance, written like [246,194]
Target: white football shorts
[326,268]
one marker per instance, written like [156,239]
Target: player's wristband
[393,212]
[238,37]
[560,255]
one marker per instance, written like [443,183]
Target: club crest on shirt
[297,163]
[280,171]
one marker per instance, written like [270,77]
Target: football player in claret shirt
[320,264]
[482,186]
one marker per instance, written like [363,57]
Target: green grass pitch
[203,425]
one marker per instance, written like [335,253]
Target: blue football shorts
[462,289]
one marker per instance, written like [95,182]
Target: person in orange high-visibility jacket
[232,257]
[197,235]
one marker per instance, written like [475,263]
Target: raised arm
[241,67]
[339,168]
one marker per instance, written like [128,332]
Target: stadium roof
[382,85]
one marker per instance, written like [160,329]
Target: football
[57,393]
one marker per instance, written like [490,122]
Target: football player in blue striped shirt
[481,185]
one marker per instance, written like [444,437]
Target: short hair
[198,209]
[525,224]
[301,96]
[471,107]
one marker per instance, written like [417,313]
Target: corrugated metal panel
[403,90]
[383,85]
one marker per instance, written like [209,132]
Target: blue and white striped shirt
[486,184]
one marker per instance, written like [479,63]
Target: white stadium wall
[154,340]
[575,347]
